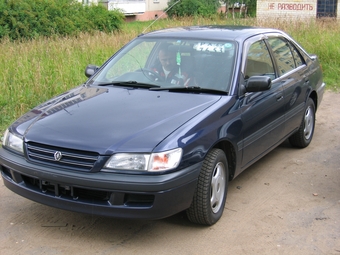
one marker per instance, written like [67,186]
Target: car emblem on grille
[57,156]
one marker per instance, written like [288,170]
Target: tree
[184,8]
[250,6]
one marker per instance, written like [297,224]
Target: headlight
[165,160]
[128,161]
[161,161]
[13,142]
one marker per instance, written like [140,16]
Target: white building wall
[136,6]
[128,7]
[153,10]
[291,9]
[88,1]
[156,5]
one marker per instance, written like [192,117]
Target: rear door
[293,75]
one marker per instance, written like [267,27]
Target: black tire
[303,137]
[211,191]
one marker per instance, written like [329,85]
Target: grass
[34,71]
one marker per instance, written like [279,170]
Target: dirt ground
[287,203]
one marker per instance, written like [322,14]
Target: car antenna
[160,16]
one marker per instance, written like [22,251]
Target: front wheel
[304,135]
[211,191]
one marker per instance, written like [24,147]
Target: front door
[263,114]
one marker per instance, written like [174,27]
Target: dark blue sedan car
[166,123]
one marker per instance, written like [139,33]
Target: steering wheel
[151,74]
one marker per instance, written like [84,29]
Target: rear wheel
[211,191]
[304,135]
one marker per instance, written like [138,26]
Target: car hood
[107,120]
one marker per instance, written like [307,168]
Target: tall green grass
[34,71]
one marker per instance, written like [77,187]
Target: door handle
[279,97]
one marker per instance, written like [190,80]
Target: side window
[299,61]
[259,62]
[282,54]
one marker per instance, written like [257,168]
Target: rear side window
[282,54]
[299,61]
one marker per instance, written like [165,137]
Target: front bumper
[107,194]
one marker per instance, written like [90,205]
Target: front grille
[71,159]
[67,191]
[85,195]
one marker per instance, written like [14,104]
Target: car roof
[214,32]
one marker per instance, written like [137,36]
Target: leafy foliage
[33,18]
[204,8]
[250,6]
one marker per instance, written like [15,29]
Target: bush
[33,18]
[204,8]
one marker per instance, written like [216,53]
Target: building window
[326,8]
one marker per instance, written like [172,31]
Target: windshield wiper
[194,89]
[134,84]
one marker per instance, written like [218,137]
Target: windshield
[171,63]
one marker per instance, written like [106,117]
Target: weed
[35,70]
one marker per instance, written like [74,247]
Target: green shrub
[27,19]
[204,8]
[102,19]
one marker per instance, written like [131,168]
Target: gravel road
[287,203]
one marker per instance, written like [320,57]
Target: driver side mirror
[91,70]
[258,83]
